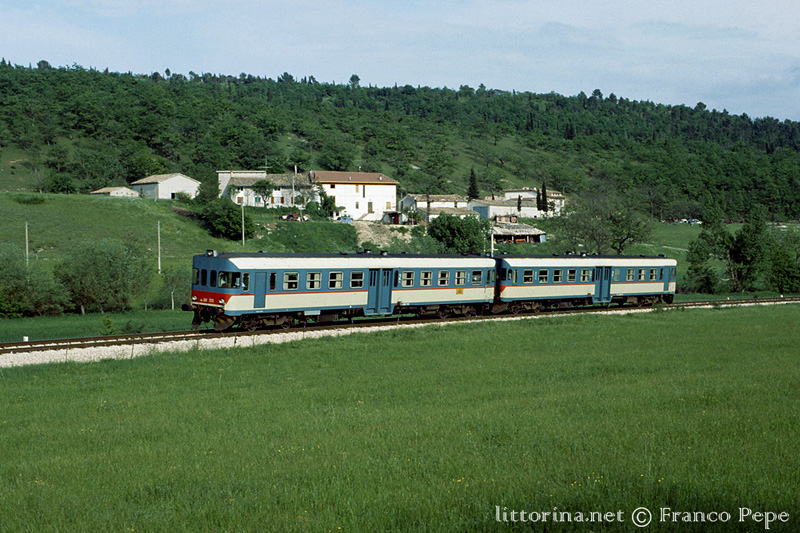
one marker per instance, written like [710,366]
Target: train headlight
[222,301]
[194,297]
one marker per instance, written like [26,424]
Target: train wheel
[288,323]
[471,312]
[443,312]
[250,324]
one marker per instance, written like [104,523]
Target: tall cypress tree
[473,193]
[544,197]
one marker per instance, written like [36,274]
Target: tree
[105,275]
[354,81]
[460,235]
[264,188]
[473,193]
[603,222]
[224,219]
[749,251]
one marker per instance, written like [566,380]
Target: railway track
[129,346]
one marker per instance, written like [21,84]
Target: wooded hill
[72,129]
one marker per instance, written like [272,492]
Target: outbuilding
[166,186]
[122,192]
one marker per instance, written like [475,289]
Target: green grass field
[417,430]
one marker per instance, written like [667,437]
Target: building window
[333,185]
[291,281]
[356,205]
[557,275]
[408,278]
[335,280]
[461,277]
[388,205]
[314,280]
[444,277]
[527,276]
[369,208]
[357,279]
[356,187]
[571,275]
[425,278]
[282,200]
[543,276]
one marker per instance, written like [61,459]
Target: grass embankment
[416,429]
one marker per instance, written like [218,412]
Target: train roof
[350,260]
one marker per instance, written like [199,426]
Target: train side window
[213,278]
[491,277]
[444,277]
[477,277]
[653,274]
[543,275]
[642,274]
[357,279]
[195,276]
[245,281]
[314,280]
[461,277]
[572,275]
[586,275]
[273,281]
[527,276]
[616,274]
[291,280]
[425,278]
[335,280]
[672,273]
[557,275]
[630,275]
[408,278]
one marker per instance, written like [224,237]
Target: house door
[379,296]
[602,283]
[260,289]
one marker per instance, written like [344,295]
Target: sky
[741,56]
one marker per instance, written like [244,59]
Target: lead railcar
[259,290]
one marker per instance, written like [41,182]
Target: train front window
[203,276]
[195,276]
[213,278]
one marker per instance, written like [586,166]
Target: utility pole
[242,222]
[159,247]
[27,259]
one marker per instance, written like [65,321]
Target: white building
[555,199]
[419,202]
[166,186]
[362,195]
[292,190]
[493,209]
[121,192]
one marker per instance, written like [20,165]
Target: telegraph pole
[159,247]
[27,260]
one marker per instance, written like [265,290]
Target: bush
[27,290]
[224,219]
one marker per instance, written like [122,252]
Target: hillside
[73,129]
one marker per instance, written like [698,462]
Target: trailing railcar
[258,290]
[531,283]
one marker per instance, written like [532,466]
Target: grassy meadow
[417,430]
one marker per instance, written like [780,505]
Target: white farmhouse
[166,186]
[419,202]
[362,195]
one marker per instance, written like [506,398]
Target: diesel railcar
[261,290]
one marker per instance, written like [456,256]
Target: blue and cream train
[259,290]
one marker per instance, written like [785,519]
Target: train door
[665,277]
[379,295]
[260,290]
[602,285]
